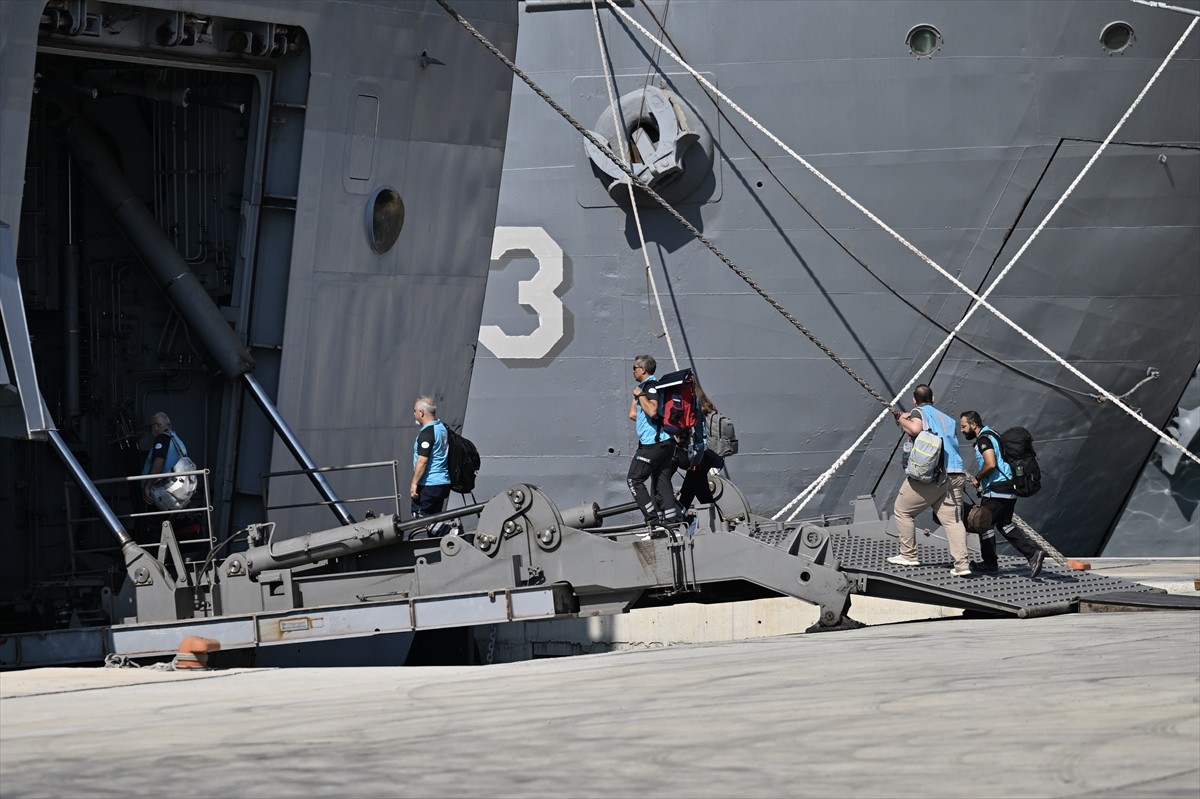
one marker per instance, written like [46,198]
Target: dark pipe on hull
[297,449]
[72,411]
[71,308]
[182,286]
[165,263]
[167,266]
[216,102]
[177,97]
[41,82]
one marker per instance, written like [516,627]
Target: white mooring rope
[618,126]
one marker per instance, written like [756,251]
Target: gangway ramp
[861,545]
[1011,591]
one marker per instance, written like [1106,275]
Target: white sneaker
[903,560]
[965,572]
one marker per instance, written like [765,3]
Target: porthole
[923,41]
[385,219]
[1117,37]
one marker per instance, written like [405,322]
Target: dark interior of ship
[181,141]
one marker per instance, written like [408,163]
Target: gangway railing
[206,508]
[394,497]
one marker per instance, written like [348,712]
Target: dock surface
[1092,704]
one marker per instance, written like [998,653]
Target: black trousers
[655,462]
[430,500]
[1002,522]
[695,478]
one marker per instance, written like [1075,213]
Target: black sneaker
[985,568]
[1035,563]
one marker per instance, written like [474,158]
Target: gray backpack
[722,438]
[926,461]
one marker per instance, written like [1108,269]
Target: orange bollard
[193,652]
[1078,565]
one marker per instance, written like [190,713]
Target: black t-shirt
[426,441]
[160,448]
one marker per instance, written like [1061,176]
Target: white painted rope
[618,126]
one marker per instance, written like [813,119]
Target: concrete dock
[1090,704]
[691,623]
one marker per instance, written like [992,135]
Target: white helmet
[173,493]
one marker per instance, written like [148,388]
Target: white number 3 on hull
[536,293]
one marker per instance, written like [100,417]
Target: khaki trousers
[946,500]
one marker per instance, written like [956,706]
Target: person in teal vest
[993,481]
[165,452]
[944,495]
[654,459]
[430,487]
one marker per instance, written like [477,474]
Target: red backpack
[678,405]
[679,412]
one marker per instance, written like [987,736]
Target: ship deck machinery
[525,560]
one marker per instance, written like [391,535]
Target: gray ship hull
[963,152]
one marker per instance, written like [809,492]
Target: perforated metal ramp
[1122,600]
[1011,591]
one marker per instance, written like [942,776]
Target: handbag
[978,519]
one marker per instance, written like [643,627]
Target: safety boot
[1035,563]
[989,563]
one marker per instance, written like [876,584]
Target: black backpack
[1016,447]
[463,463]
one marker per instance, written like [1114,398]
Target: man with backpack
[655,456]
[165,453]
[430,485]
[934,478]
[994,482]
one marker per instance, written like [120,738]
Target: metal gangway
[527,560]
